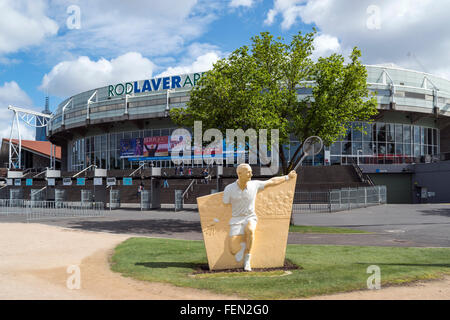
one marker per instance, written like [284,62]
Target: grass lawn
[326,269]
[313,229]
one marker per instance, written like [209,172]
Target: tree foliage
[258,88]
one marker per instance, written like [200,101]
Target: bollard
[145,200]
[86,198]
[178,200]
[114,199]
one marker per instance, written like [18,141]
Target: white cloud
[200,57]
[325,45]
[113,27]
[241,3]
[12,94]
[23,24]
[71,77]
[289,9]
[418,27]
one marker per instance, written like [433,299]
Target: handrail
[187,189]
[361,175]
[40,173]
[140,167]
[40,190]
[24,173]
[92,165]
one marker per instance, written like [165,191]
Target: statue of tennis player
[241,194]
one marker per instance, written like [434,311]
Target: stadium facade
[116,126]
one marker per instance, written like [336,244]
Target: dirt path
[423,290]
[34,259]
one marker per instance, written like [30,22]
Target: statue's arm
[278,180]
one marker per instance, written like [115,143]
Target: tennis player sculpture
[247,224]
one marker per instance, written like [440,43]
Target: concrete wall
[436,178]
[398,186]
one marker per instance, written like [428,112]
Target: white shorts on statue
[237,229]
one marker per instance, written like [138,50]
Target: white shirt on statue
[242,201]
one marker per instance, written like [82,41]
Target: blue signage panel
[29,182]
[81,181]
[127,181]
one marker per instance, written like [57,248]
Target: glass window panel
[368,148]
[367,128]
[381,148]
[398,133]
[416,150]
[165,132]
[135,134]
[156,132]
[422,135]
[398,149]
[104,142]
[422,150]
[112,141]
[406,134]
[356,148]
[335,148]
[416,134]
[435,141]
[346,148]
[356,132]
[390,149]
[390,132]
[381,132]
[407,149]
[430,136]
[147,133]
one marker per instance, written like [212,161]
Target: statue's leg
[249,233]
[235,244]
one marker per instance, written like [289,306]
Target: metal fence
[38,210]
[338,199]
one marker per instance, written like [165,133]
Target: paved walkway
[392,225]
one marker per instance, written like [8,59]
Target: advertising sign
[29,182]
[110,181]
[81,181]
[127,181]
[67,182]
[98,181]
[17,182]
[50,181]
[131,147]
[156,146]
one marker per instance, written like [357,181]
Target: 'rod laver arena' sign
[155,84]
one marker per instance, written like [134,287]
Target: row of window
[378,140]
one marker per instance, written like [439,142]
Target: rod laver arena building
[119,125]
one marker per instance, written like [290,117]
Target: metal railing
[338,199]
[39,210]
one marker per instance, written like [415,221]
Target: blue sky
[118,40]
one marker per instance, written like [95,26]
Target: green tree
[258,88]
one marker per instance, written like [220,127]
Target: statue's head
[244,171]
